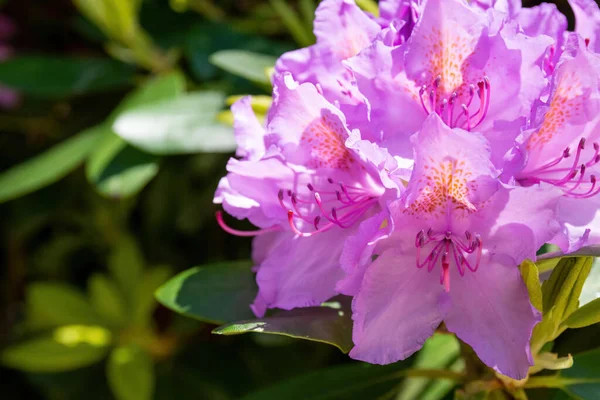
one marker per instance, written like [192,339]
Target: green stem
[208,9]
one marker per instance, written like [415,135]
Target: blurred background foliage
[91,225]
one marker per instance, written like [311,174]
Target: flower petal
[398,307]
[491,312]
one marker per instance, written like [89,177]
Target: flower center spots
[566,103]
[447,248]
[569,173]
[323,138]
[351,44]
[336,205]
[445,188]
[447,56]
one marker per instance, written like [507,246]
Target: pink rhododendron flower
[453,256]
[563,149]
[299,181]
[414,160]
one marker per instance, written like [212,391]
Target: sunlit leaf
[68,348]
[217,293]
[69,76]
[186,124]
[119,170]
[252,66]
[130,373]
[331,324]
[587,315]
[561,291]
[531,277]
[54,304]
[48,167]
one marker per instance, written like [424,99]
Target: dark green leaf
[584,375]
[218,293]
[54,304]
[47,76]
[70,347]
[252,66]
[350,382]
[130,373]
[49,166]
[330,323]
[119,170]
[186,124]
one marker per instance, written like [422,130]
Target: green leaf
[331,324]
[49,166]
[55,77]
[119,170]
[186,124]
[69,348]
[54,304]
[107,300]
[439,352]
[145,302]
[126,265]
[130,373]
[583,378]
[585,316]
[157,89]
[561,291]
[248,65]
[531,277]
[349,382]
[301,34]
[219,293]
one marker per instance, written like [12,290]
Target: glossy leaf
[186,124]
[358,381]
[587,315]
[69,75]
[330,323]
[119,170]
[130,373]
[248,65]
[107,300]
[68,348]
[48,167]
[218,293]
[583,379]
[531,277]
[54,304]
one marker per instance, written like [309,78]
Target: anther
[310,187]
[280,194]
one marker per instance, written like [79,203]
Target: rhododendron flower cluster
[413,160]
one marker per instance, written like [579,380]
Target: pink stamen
[572,179]
[451,248]
[232,231]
